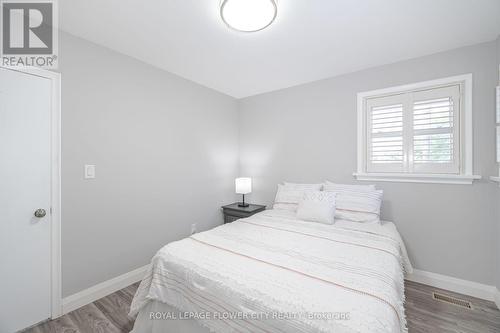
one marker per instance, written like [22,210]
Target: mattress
[275,273]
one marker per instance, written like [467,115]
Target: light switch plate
[89,171]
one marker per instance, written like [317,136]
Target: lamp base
[243,204]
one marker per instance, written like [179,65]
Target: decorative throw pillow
[317,206]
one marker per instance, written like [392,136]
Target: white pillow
[285,206]
[317,206]
[288,195]
[332,186]
[287,198]
[360,217]
[309,187]
[358,205]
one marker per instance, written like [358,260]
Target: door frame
[55,207]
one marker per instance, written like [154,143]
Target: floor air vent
[452,300]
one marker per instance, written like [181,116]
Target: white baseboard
[103,289]
[460,286]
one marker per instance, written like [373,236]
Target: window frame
[465,175]
[497,125]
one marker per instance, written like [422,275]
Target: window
[419,133]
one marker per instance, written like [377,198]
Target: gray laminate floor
[424,314]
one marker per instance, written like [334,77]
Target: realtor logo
[29,33]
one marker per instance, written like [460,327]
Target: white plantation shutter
[385,134]
[414,132]
[436,139]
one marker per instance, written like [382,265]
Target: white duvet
[274,273]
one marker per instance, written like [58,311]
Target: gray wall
[308,134]
[166,151]
[166,155]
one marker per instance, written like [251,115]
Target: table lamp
[243,186]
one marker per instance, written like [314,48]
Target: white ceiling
[310,39]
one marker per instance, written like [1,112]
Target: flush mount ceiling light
[248,15]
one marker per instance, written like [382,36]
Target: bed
[273,272]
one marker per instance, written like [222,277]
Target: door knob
[40,213]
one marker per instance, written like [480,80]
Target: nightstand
[233,212]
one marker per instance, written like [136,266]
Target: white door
[25,179]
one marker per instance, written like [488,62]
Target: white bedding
[282,274]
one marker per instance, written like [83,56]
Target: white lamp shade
[243,185]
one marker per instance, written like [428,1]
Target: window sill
[495,179]
[417,178]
